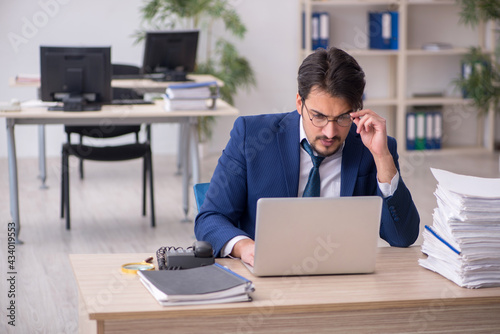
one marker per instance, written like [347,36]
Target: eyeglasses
[320,120]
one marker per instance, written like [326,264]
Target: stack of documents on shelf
[28,78]
[463,244]
[191,96]
[202,285]
[437,46]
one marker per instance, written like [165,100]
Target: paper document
[468,186]
[463,244]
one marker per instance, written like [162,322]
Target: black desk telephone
[174,258]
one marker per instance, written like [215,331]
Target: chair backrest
[200,190]
[118,69]
[119,93]
[102,132]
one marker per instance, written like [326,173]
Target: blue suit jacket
[261,159]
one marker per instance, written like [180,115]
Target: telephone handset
[174,258]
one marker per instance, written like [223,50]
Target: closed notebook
[208,284]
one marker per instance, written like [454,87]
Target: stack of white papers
[191,96]
[171,105]
[463,244]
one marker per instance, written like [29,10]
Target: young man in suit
[269,156]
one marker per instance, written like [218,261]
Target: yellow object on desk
[134,267]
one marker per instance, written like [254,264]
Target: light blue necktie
[313,185]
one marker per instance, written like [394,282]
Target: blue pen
[428,228]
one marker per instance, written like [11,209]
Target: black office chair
[118,94]
[134,150]
[125,70]
[124,152]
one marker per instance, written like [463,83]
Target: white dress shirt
[329,172]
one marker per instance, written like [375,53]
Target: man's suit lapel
[351,158]
[287,138]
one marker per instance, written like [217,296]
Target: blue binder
[469,69]
[315,30]
[429,131]
[410,130]
[438,129]
[324,30]
[466,72]
[420,131]
[320,30]
[303,30]
[383,30]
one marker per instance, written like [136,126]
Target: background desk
[115,115]
[142,86]
[401,297]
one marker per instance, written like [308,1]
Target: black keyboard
[139,76]
[130,102]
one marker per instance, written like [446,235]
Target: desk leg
[190,134]
[193,150]
[100,327]
[181,148]
[185,169]
[42,162]
[13,182]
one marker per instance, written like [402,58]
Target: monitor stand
[75,103]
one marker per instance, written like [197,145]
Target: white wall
[270,45]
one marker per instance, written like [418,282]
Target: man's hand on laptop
[244,249]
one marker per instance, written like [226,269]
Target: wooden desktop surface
[118,114]
[399,297]
[125,83]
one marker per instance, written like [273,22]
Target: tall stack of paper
[463,244]
[191,96]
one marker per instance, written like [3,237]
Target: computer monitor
[172,54]
[80,77]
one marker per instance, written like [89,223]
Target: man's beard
[327,152]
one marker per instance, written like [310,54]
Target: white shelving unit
[394,76]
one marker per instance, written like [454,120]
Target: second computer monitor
[170,53]
[80,77]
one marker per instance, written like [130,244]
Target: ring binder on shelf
[383,30]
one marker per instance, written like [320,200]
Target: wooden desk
[401,297]
[110,115]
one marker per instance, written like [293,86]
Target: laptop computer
[316,236]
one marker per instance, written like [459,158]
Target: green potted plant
[481,80]
[221,59]
[475,11]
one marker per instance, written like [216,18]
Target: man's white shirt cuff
[388,189]
[228,247]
